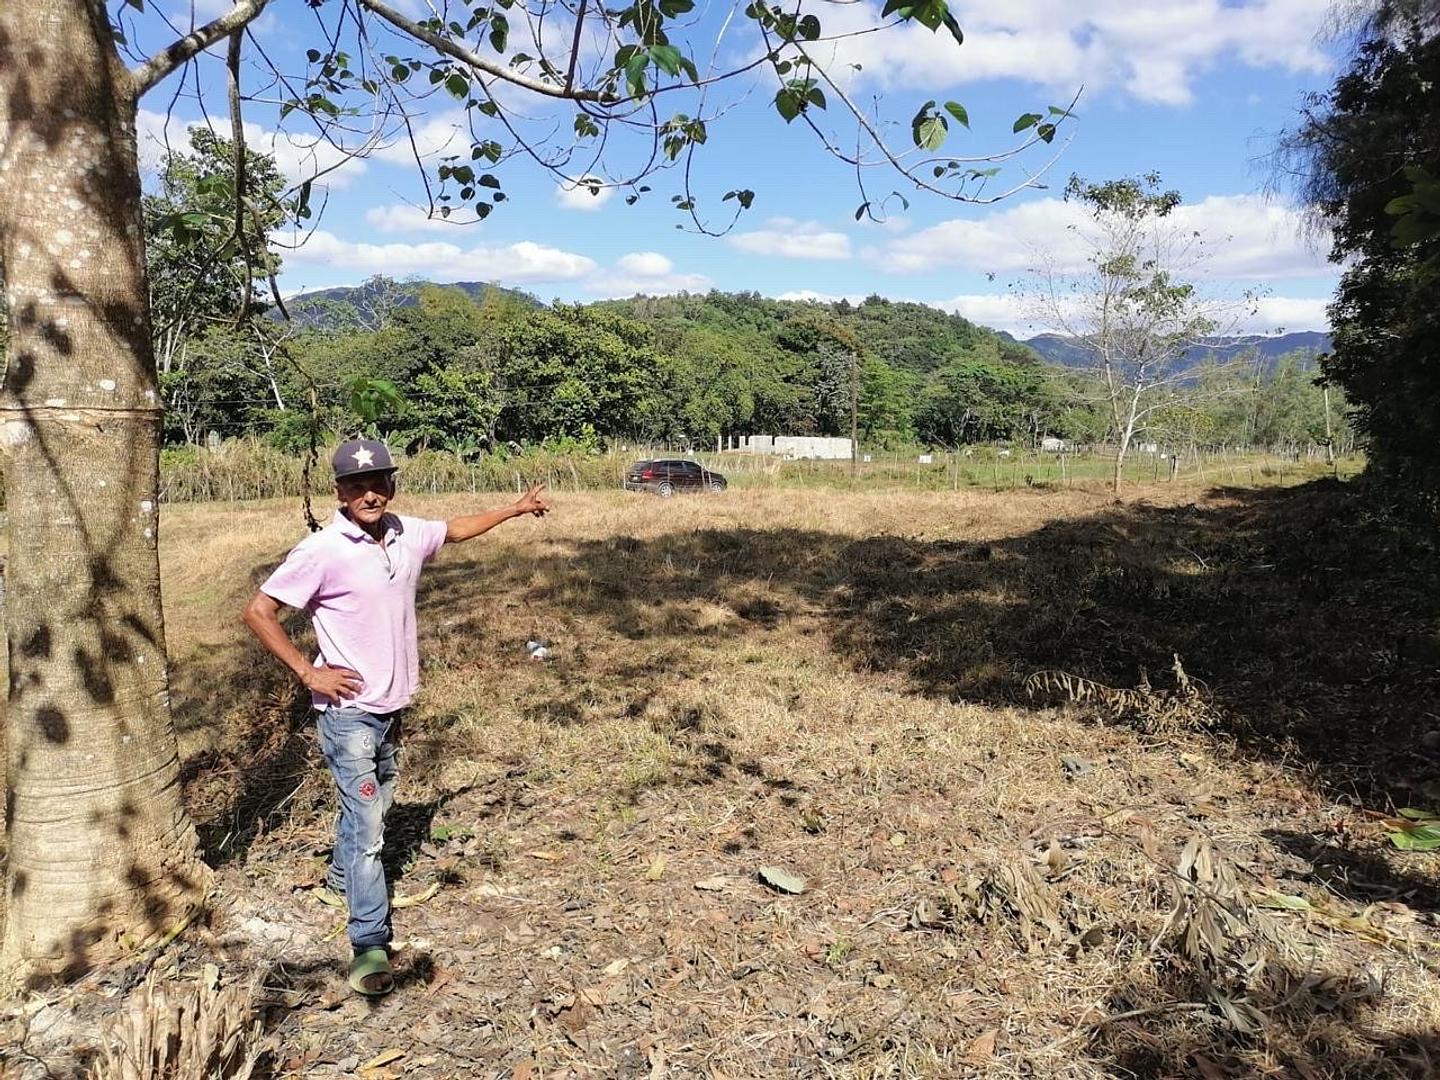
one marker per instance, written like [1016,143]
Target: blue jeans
[360,749]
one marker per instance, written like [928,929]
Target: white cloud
[404,217]
[616,286]
[645,264]
[1276,313]
[581,196]
[1246,237]
[507,263]
[431,137]
[298,157]
[791,239]
[1015,313]
[810,296]
[1153,50]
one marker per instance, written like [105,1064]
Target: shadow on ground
[1313,629]
[1310,626]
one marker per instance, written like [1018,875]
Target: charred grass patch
[1137,865]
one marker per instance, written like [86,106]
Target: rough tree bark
[101,854]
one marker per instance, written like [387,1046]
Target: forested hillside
[466,368]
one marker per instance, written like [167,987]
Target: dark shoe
[370,973]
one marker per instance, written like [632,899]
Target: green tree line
[469,370]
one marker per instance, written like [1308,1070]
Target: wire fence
[242,469]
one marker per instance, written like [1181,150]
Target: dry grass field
[1163,858]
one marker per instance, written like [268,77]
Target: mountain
[1065,351]
[330,307]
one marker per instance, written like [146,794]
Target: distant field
[243,470]
[834,684]
[1078,788]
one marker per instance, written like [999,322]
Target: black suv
[666,478]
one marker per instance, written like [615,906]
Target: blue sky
[1195,89]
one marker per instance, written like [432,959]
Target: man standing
[356,579]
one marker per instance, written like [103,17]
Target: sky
[1195,90]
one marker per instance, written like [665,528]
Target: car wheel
[717,485]
[665,490]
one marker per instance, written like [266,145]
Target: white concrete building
[794,447]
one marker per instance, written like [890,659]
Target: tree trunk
[101,854]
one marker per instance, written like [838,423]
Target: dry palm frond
[183,1031]
[1013,890]
[1158,711]
[1216,930]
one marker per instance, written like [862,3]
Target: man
[356,579]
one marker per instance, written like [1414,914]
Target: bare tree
[1128,308]
[101,854]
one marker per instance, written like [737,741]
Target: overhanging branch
[167,60]
[474,60]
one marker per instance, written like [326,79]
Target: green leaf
[1417,815]
[787,104]
[1046,132]
[860,210]
[487,180]
[1285,902]
[313,55]
[1027,120]
[955,109]
[1422,838]
[635,73]
[458,85]
[499,32]
[929,128]
[138,5]
[809,28]
[667,58]
[954,27]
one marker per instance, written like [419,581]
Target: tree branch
[167,60]
[480,63]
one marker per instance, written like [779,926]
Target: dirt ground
[1164,858]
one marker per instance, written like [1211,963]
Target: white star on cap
[364,456]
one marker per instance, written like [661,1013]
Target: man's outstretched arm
[472,525]
[262,616]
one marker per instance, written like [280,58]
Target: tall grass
[250,469]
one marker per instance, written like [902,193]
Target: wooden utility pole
[1329,438]
[854,414]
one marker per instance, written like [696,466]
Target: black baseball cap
[356,456]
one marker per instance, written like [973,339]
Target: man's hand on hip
[333,683]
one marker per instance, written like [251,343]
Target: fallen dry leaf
[605,993]
[615,967]
[385,1057]
[656,869]
[782,880]
[712,884]
[982,1047]
[545,856]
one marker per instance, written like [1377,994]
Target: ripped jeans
[360,749]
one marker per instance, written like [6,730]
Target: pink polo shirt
[361,598]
